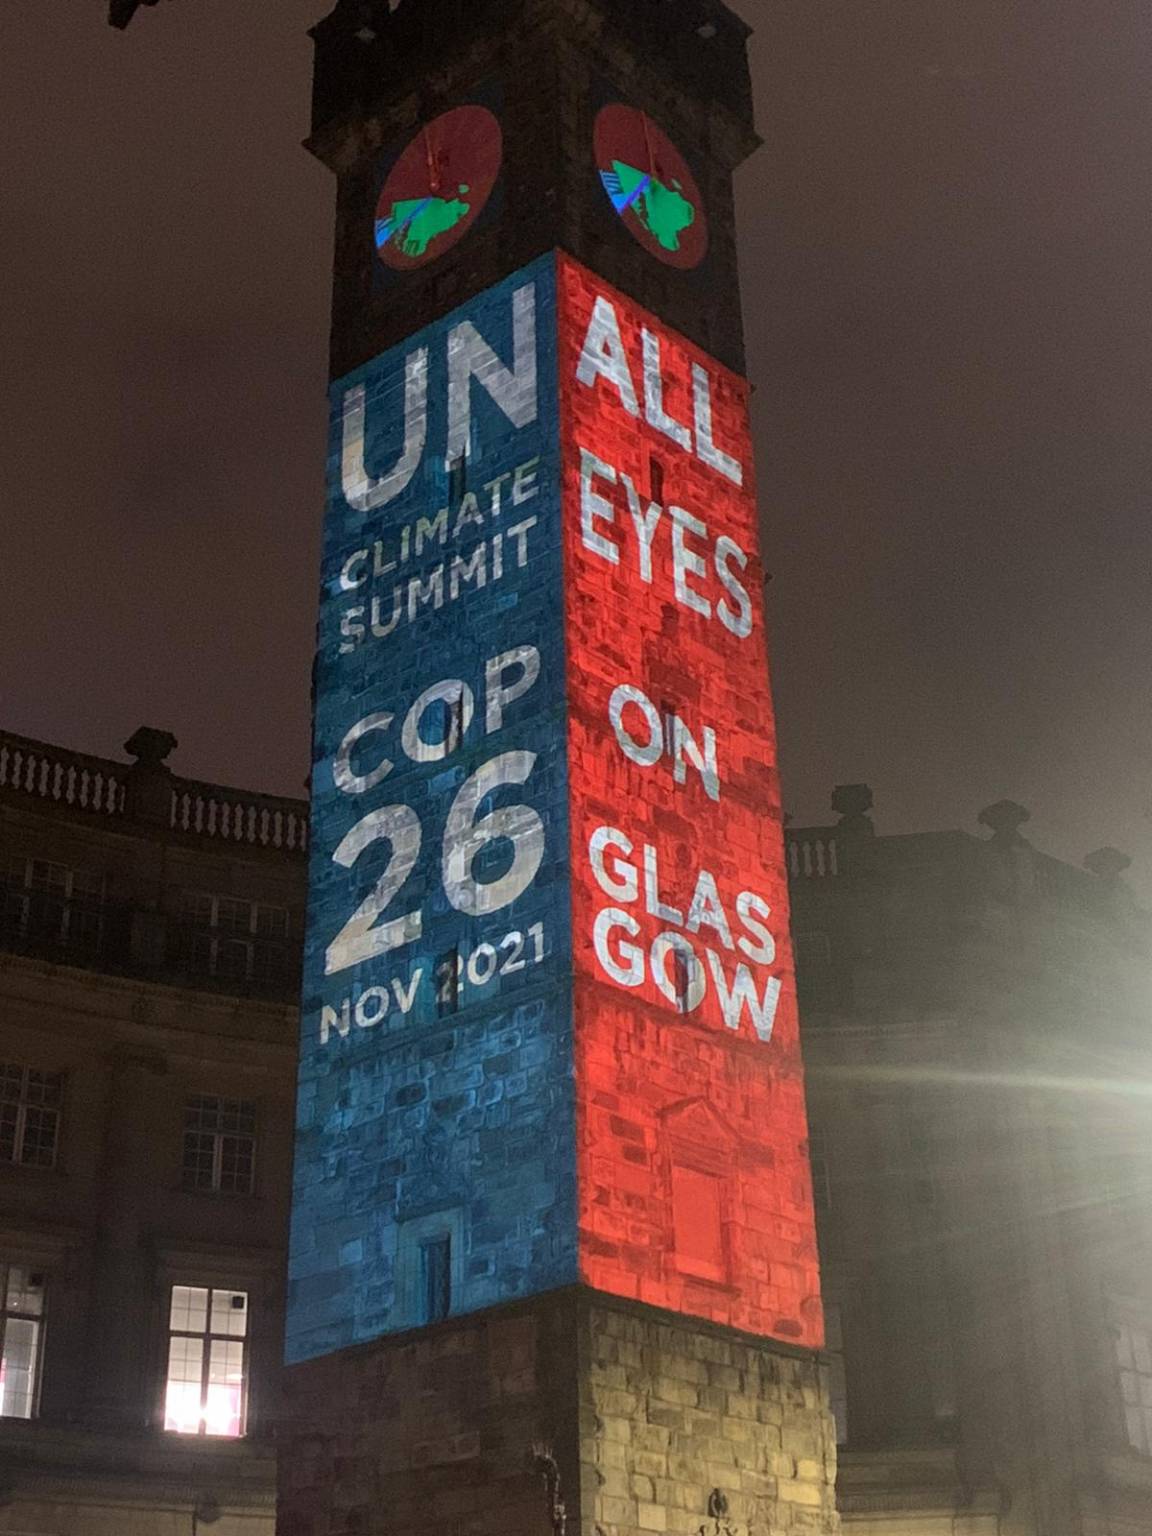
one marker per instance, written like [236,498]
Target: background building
[149,959]
[976,1032]
[975,1019]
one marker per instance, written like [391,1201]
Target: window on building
[207,1361]
[816,977]
[30,1104]
[54,905]
[837,1375]
[21,1332]
[813,951]
[219,1145]
[429,1269]
[939,1352]
[932,1153]
[914,1155]
[236,940]
[698,1223]
[818,1162]
[436,1277]
[1134,1360]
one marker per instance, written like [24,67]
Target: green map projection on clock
[650,186]
[438,187]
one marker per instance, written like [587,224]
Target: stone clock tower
[553,1264]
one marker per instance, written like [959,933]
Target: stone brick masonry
[645,1415]
[670,1412]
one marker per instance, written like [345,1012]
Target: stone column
[121,1294]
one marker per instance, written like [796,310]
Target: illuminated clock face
[438,187]
[650,186]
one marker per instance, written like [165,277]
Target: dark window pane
[436,1277]
[45,1087]
[272,922]
[38,1148]
[11,1083]
[9,1119]
[219,1144]
[233,958]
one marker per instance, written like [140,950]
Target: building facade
[975,1019]
[149,972]
[553,1263]
[976,1025]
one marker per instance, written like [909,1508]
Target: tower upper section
[606,128]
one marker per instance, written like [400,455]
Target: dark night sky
[946,256]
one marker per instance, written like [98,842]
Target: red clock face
[438,187]
[650,186]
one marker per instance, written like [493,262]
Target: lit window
[21,1328]
[52,904]
[235,940]
[207,1361]
[1134,1358]
[219,1145]
[29,1115]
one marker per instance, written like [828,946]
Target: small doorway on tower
[429,1274]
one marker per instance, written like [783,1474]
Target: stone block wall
[644,1416]
[672,1412]
[432,1432]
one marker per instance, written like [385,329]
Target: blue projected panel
[435,1132]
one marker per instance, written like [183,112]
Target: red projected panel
[693,1185]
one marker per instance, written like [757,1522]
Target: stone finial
[121,12]
[1004,820]
[148,783]
[1108,863]
[150,747]
[852,802]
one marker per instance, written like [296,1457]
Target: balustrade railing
[264,821]
[812,853]
[68,778]
[98,785]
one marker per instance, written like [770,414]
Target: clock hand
[432,161]
[637,191]
[648,145]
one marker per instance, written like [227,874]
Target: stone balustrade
[54,773]
[812,853]
[96,785]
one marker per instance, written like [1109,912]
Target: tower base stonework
[571,1413]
